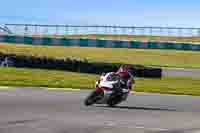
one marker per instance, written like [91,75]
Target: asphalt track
[27,110]
[181,72]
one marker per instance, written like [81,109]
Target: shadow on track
[137,108]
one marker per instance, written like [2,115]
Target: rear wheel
[113,101]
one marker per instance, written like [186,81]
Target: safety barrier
[74,65]
[97,43]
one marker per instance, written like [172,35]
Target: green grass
[165,58]
[189,39]
[175,85]
[46,78]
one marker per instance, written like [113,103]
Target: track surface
[42,111]
[181,72]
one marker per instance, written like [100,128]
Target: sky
[179,13]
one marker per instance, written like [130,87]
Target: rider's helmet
[124,69]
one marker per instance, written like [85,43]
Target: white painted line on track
[7,88]
[57,89]
[145,128]
[113,124]
[154,129]
[192,131]
[62,89]
[135,92]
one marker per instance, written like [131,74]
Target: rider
[127,79]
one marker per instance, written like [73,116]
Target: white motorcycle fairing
[104,83]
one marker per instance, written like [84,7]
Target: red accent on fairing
[99,90]
[105,88]
[97,87]
[102,88]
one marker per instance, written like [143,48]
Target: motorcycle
[108,91]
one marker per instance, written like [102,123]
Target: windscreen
[112,77]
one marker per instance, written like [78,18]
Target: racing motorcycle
[106,91]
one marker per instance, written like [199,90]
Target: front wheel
[91,99]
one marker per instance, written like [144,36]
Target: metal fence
[4,30]
[30,29]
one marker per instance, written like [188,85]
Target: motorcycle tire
[91,99]
[113,101]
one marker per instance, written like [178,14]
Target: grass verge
[152,57]
[61,79]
